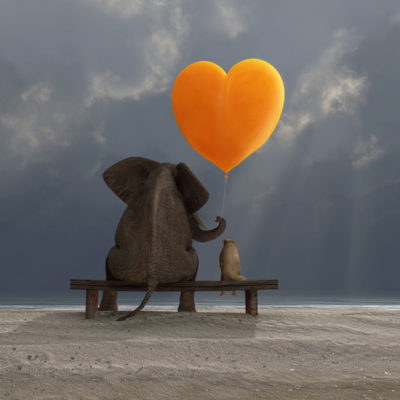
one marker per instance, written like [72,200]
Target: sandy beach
[284,353]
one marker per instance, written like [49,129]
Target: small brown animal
[229,263]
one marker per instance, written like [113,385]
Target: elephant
[153,240]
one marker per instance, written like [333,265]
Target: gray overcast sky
[85,83]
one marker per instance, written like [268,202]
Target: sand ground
[284,353]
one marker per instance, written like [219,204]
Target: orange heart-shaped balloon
[226,117]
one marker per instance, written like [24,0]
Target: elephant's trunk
[205,236]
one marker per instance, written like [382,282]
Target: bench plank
[87,284]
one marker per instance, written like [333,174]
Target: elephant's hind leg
[186,303]
[109,302]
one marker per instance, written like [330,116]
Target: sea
[75,300]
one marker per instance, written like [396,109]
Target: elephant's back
[153,238]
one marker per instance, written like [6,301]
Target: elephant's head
[154,236]
[130,177]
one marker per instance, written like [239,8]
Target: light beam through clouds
[366,152]
[324,127]
[327,87]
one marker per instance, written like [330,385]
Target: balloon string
[223,198]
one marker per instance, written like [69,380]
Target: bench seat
[250,287]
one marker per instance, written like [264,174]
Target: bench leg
[92,302]
[251,302]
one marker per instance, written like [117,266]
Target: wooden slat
[84,284]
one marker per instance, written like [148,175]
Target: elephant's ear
[127,177]
[193,191]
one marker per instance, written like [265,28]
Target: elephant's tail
[150,289]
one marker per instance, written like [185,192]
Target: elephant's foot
[186,303]
[109,301]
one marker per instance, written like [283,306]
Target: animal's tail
[150,289]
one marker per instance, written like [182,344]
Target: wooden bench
[92,288]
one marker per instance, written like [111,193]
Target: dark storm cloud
[87,83]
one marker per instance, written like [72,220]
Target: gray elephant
[153,241]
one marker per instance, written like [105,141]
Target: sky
[86,83]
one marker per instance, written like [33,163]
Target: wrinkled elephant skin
[153,241]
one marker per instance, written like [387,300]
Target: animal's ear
[193,191]
[127,177]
